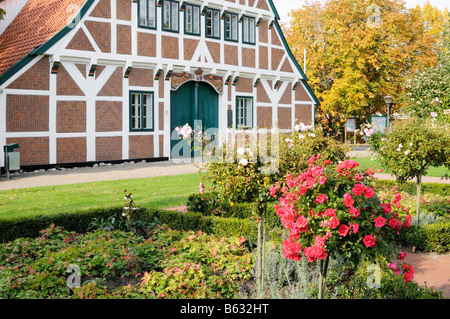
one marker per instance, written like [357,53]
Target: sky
[285,6]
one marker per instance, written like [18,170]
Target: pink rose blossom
[380,221]
[369,241]
[343,230]
[348,200]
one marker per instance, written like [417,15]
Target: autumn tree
[359,51]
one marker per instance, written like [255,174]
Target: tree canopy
[358,51]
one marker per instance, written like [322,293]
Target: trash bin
[12,159]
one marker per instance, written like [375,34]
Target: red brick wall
[33,150]
[286,98]
[124,10]
[303,114]
[161,115]
[284,118]
[214,50]
[261,94]
[35,78]
[80,42]
[244,85]
[277,54]
[301,94]
[71,150]
[263,57]
[108,116]
[123,39]
[146,44]
[169,47]
[231,54]
[108,148]
[263,31]
[27,113]
[102,10]
[113,87]
[101,32]
[248,57]
[65,84]
[70,116]
[141,77]
[190,46]
[264,117]
[141,146]
[161,145]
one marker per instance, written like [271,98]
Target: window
[141,111]
[231,26]
[147,13]
[192,19]
[212,23]
[248,30]
[244,112]
[170,15]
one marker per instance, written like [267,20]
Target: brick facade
[169,47]
[33,150]
[284,117]
[70,116]
[71,150]
[108,148]
[141,146]
[35,78]
[303,114]
[108,116]
[27,113]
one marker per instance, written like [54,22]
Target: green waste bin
[12,158]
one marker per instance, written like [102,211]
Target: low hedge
[79,222]
[428,238]
[411,187]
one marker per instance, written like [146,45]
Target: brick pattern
[190,45]
[35,78]
[161,115]
[65,84]
[286,98]
[301,94]
[124,10]
[244,85]
[141,146]
[303,114]
[248,57]
[284,118]
[27,113]
[275,37]
[99,70]
[70,116]
[262,4]
[263,32]
[263,57]
[80,42]
[264,117]
[161,87]
[141,77]
[33,150]
[71,150]
[214,50]
[231,54]
[82,69]
[277,55]
[169,47]
[161,146]
[146,44]
[108,148]
[261,94]
[102,9]
[101,32]
[123,39]
[113,87]
[286,66]
[108,116]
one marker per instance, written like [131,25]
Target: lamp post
[388,100]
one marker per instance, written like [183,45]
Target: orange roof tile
[36,23]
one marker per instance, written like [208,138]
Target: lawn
[163,191]
[367,162]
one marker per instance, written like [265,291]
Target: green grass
[366,162]
[158,192]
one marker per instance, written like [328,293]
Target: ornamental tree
[412,147]
[333,211]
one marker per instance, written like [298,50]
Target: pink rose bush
[333,210]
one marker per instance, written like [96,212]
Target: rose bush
[333,210]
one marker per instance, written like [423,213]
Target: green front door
[193,101]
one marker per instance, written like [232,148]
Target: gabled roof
[36,24]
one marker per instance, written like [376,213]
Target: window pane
[249,113]
[147,112]
[166,14]
[209,22]
[135,110]
[234,26]
[175,16]
[189,19]
[143,12]
[228,26]
[245,29]
[151,13]
[216,24]
[196,20]
[252,30]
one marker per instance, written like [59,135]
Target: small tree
[412,147]
[2,13]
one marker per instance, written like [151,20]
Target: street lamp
[388,100]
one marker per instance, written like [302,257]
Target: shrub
[428,238]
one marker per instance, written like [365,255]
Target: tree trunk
[419,186]
[259,262]
[323,264]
